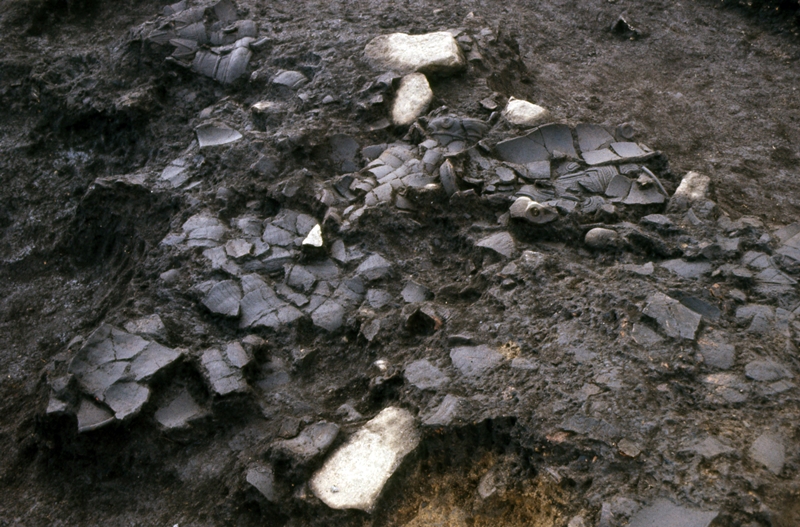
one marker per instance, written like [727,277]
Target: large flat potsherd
[354,476]
[473,361]
[430,53]
[664,513]
[770,452]
[675,319]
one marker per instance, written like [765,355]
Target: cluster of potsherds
[209,39]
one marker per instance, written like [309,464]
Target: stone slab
[429,53]
[354,476]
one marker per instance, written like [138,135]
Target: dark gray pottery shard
[592,137]
[664,513]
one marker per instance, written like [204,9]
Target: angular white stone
[430,53]
[314,238]
[694,187]
[524,113]
[412,99]
[353,477]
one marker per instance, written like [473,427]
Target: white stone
[354,476]
[694,188]
[430,53]
[314,238]
[524,113]
[412,99]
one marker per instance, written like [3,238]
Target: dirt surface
[595,385]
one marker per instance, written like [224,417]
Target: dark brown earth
[714,86]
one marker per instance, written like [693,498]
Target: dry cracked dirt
[415,263]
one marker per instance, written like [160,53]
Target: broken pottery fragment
[312,442]
[415,293]
[290,79]
[126,398]
[150,327]
[425,375]
[598,157]
[262,478]
[444,414]
[709,448]
[238,248]
[215,134]
[502,243]
[113,367]
[203,231]
[329,316]
[429,53]
[224,298]
[91,416]
[412,99]
[592,137]
[675,319]
[687,269]
[664,513]
[716,351]
[473,361]
[354,476]
[447,176]
[224,377]
[456,133]
[558,140]
[766,371]
[769,451]
[374,268]
[179,413]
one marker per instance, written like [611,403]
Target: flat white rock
[412,99]
[524,113]
[354,476]
[430,53]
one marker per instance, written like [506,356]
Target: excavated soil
[594,409]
